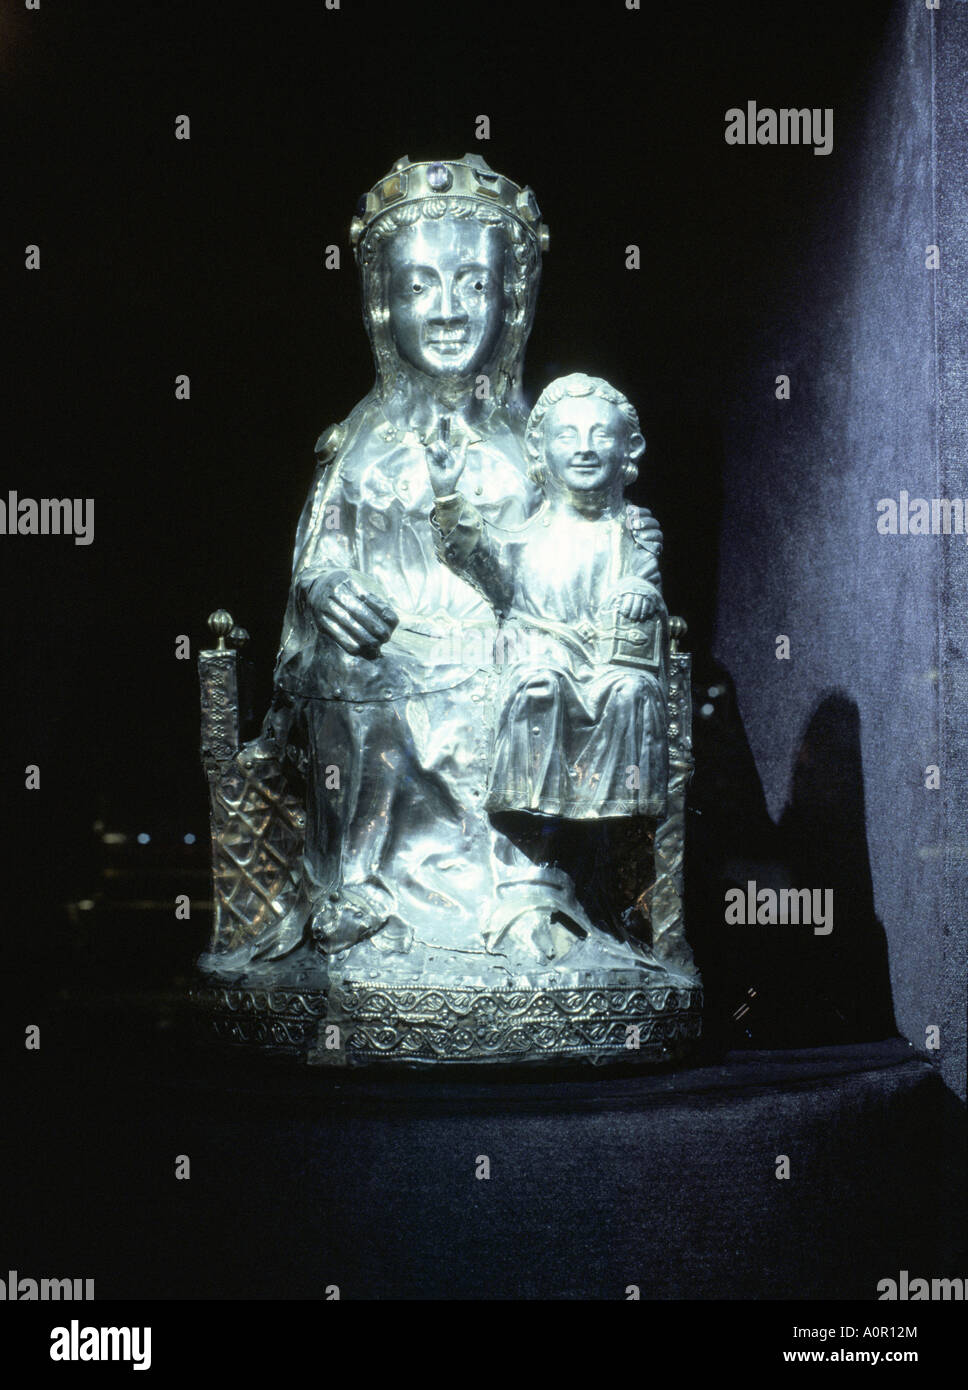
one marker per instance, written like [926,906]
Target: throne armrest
[680,701]
[668,930]
[258,825]
[218,675]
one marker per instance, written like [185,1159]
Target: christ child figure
[581,730]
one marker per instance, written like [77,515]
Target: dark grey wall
[951,203]
[876,687]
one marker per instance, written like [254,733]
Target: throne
[258,826]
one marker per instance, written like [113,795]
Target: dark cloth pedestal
[300,1181]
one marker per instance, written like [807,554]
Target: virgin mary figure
[386,666]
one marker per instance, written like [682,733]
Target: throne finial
[220,624]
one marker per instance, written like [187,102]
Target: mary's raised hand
[443,465]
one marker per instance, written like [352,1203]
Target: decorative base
[359,1023]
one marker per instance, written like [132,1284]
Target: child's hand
[443,466]
[637,607]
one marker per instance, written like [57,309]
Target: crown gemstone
[439,177]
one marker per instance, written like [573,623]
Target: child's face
[586,445]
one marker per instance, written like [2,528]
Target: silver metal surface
[440,847]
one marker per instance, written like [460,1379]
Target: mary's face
[446,297]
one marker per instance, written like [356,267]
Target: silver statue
[459,835]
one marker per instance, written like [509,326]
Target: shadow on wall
[772,978]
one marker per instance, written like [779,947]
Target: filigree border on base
[361,1023]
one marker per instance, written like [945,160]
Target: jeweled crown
[470,177]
